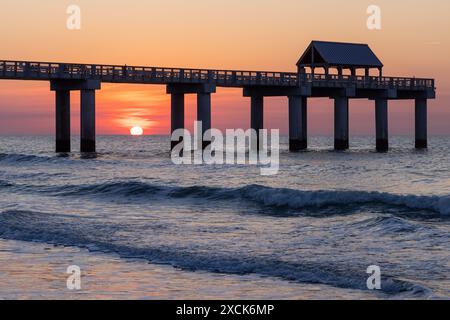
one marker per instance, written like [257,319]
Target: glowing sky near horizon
[225,34]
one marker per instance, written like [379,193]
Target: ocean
[140,227]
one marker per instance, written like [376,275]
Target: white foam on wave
[269,196]
[262,195]
[297,199]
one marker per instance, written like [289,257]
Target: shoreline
[30,270]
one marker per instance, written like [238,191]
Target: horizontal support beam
[271,91]
[374,94]
[416,94]
[68,85]
[190,88]
[324,92]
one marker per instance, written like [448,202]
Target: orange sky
[226,34]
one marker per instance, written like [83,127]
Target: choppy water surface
[141,227]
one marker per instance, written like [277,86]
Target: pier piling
[341,126]
[298,123]
[381,119]
[62,121]
[421,124]
[257,118]
[204,115]
[87,128]
[177,115]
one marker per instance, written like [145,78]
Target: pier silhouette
[344,59]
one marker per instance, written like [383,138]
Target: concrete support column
[381,119]
[298,139]
[62,120]
[177,115]
[257,116]
[204,115]
[421,124]
[87,115]
[341,127]
[87,121]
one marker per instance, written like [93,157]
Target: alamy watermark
[74,17]
[74,280]
[374,19]
[236,146]
[374,281]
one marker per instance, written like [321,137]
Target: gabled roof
[339,54]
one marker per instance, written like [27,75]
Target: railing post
[210,76]
[38,67]
[124,72]
[233,78]
[258,78]
[26,69]
[181,75]
[153,74]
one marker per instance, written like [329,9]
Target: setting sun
[136,131]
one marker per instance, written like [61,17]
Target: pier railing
[27,70]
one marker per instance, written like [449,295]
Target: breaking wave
[261,195]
